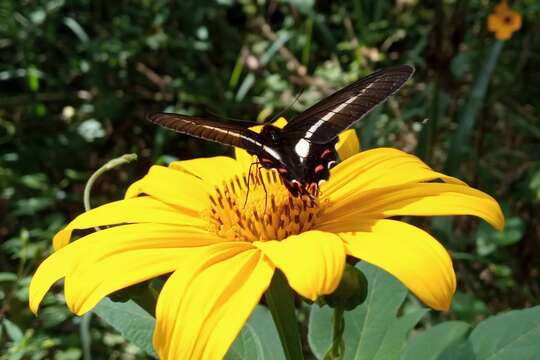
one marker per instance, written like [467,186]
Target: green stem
[84,331]
[84,327]
[280,301]
[467,116]
[306,51]
[111,164]
[337,350]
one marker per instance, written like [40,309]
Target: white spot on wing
[302,148]
[232,133]
[335,110]
[272,152]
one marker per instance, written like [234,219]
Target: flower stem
[84,331]
[111,164]
[84,326]
[337,350]
[280,301]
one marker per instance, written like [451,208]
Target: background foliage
[77,79]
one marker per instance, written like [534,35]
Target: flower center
[259,207]
[507,19]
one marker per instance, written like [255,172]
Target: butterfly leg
[264,187]
[248,180]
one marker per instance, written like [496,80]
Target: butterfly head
[289,169]
[302,165]
[311,169]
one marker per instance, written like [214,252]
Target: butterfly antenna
[275,117]
[220,117]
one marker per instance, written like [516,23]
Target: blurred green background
[77,79]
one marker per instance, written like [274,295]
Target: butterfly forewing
[304,150]
[227,134]
[325,120]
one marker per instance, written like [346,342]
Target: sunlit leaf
[130,320]
[432,343]
[258,339]
[488,239]
[372,330]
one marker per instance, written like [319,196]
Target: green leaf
[12,330]
[77,29]
[513,335]
[459,142]
[33,78]
[258,339]
[7,276]
[534,184]
[130,320]
[468,307]
[53,315]
[488,239]
[248,82]
[372,330]
[246,346]
[304,6]
[430,344]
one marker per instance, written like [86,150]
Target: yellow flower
[504,21]
[189,219]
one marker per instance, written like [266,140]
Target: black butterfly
[303,152]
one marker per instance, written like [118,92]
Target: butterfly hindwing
[304,150]
[325,120]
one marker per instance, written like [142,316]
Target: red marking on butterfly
[275,148]
[319,168]
[325,153]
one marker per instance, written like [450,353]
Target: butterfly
[303,152]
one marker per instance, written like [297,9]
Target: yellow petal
[174,187]
[425,199]
[516,21]
[377,168]
[51,270]
[411,255]
[205,303]
[213,170]
[494,22]
[280,122]
[348,144]
[312,261]
[137,210]
[504,33]
[100,245]
[91,282]
[502,9]
[244,159]
[97,275]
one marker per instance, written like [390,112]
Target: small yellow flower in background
[504,21]
[189,219]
